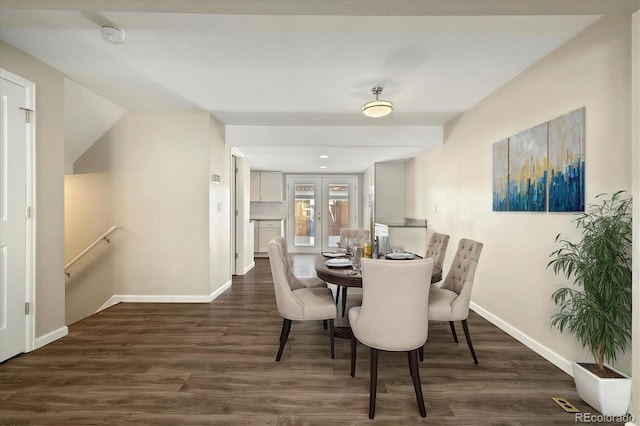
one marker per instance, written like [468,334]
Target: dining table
[346,276]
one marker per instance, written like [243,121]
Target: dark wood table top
[341,276]
[344,275]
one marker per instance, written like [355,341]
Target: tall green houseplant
[598,310]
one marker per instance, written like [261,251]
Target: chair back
[463,270]
[437,248]
[294,282]
[395,300]
[346,234]
[288,305]
[285,250]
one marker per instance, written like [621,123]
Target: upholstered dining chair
[300,304]
[295,281]
[450,302]
[436,249]
[346,235]
[393,317]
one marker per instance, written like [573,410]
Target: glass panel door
[304,214]
[318,208]
[339,213]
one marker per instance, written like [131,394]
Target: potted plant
[597,310]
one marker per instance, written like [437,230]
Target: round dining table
[347,277]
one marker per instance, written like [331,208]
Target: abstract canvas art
[566,162]
[542,168]
[500,175]
[528,170]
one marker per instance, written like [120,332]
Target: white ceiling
[300,71]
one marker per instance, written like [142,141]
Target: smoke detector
[113,34]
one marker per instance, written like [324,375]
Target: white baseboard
[51,337]
[249,267]
[164,298]
[551,356]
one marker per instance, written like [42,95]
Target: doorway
[318,208]
[16,215]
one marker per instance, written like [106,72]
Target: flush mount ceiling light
[377,108]
[112,34]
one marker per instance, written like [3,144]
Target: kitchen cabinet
[266,186]
[265,231]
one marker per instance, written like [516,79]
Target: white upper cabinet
[266,186]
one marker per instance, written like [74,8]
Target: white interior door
[318,208]
[14,181]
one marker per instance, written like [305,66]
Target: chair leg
[331,330]
[373,385]
[282,331]
[415,376]
[354,343]
[324,324]
[453,331]
[421,352]
[344,300]
[465,327]
[286,328]
[338,287]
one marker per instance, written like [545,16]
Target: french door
[318,208]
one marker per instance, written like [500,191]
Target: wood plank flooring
[192,364]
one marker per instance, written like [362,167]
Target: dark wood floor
[213,363]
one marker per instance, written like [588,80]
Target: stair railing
[102,237]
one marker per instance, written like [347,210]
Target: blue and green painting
[528,170]
[500,175]
[566,162]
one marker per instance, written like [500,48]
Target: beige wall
[158,165]
[49,297]
[220,210]
[453,184]
[87,215]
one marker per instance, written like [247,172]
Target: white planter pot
[610,397]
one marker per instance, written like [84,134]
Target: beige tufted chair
[436,249]
[393,316]
[294,281]
[451,301]
[346,234]
[301,304]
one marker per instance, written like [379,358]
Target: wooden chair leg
[331,332]
[324,324]
[465,327]
[338,287]
[286,327]
[421,352]
[453,331]
[354,344]
[415,376]
[344,300]
[373,385]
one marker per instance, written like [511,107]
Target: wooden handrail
[92,245]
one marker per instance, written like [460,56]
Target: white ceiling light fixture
[113,34]
[377,108]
